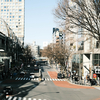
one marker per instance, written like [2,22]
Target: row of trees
[83,14]
[56,54]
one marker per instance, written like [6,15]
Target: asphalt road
[26,89]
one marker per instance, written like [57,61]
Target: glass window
[19,16]
[10,13]
[1,9]
[20,6]
[4,9]
[4,6]
[10,0]
[20,0]
[1,6]
[20,9]
[95,62]
[1,0]
[1,3]
[10,16]
[10,19]
[16,0]
[13,16]
[7,17]
[95,56]
[17,10]
[7,0]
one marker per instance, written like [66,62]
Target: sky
[39,21]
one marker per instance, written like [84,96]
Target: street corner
[66,84]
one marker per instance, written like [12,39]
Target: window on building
[13,16]
[1,0]
[7,9]
[20,6]
[20,9]
[4,9]
[4,6]
[1,6]
[20,0]
[16,26]
[7,0]
[19,16]
[10,19]
[96,59]
[1,3]
[10,0]
[1,9]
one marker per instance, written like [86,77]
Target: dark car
[59,75]
[22,73]
[36,68]
[2,96]
[8,90]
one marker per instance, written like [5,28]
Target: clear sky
[39,20]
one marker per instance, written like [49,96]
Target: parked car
[28,66]
[22,73]
[32,75]
[2,96]
[8,90]
[59,75]
[36,68]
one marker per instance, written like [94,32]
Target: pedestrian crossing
[45,79]
[21,98]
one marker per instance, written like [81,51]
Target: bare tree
[28,54]
[48,52]
[83,14]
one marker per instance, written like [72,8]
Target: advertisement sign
[94,76]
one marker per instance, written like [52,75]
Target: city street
[50,88]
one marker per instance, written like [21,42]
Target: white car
[28,65]
[32,75]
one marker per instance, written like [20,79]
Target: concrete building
[35,50]
[85,59]
[13,13]
[58,36]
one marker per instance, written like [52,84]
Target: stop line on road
[45,79]
[21,98]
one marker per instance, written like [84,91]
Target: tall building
[58,36]
[13,13]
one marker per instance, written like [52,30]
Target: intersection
[50,88]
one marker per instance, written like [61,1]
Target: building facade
[13,13]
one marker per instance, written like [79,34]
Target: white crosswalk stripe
[21,98]
[45,79]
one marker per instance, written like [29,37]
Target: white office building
[13,13]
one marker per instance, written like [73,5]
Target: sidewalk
[77,83]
